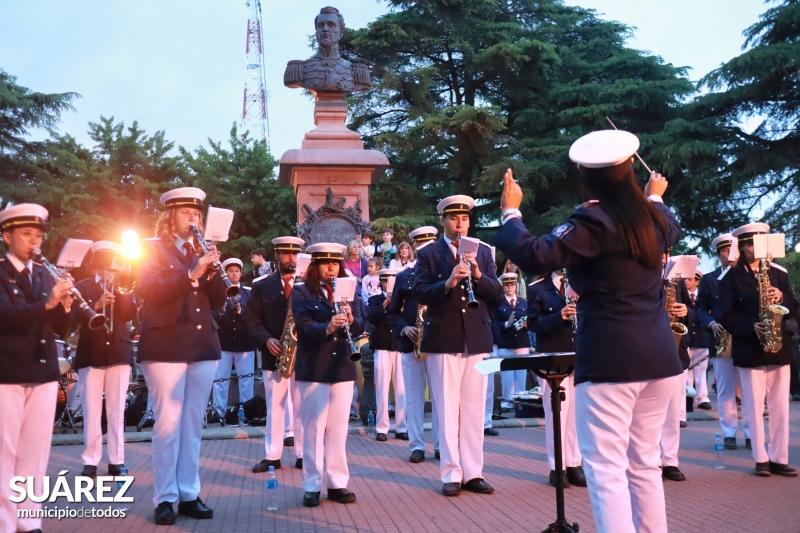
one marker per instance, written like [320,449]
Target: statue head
[329,25]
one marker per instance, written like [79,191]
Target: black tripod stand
[553,367]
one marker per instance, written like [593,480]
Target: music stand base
[562,527]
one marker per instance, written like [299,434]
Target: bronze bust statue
[326,71]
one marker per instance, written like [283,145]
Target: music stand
[554,367]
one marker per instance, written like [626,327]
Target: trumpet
[472,302]
[355,354]
[231,290]
[125,282]
[95,321]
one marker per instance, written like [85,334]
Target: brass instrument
[678,329]
[724,345]
[284,365]
[125,282]
[355,353]
[231,290]
[95,321]
[770,314]
[472,302]
[419,355]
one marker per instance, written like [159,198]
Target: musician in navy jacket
[104,358]
[402,315]
[456,338]
[266,314]
[625,352]
[551,318]
[761,372]
[724,371]
[511,340]
[325,374]
[179,349]
[388,365]
[32,305]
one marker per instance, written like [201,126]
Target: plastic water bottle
[123,472]
[371,423]
[240,416]
[272,490]
[719,458]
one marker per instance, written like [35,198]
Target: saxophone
[286,359]
[724,345]
[678,329]
[769,313]
[420,325]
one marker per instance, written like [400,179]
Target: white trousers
[570,451]
[26,432]
[696,377]
[489,406]
[725,376]
[112,381]
[460,393]
[244,365]
[671,430]
[324,411]
[278,391]
[179,393]
[618,427]
[389,368]
[415,377]
[289,415]
[771,381]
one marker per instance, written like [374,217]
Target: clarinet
[472,302]
[355,354]
[231,290]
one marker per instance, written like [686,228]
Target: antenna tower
[254,110]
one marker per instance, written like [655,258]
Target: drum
[361,340]
[64,364]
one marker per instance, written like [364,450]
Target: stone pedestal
[331,156]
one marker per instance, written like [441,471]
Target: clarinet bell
[355,353]
[231,291]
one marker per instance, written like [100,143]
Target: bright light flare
[130,244]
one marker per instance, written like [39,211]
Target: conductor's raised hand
[657,184]
[512,192]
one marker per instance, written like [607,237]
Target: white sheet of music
[489,366]
[771,245]
[468,245]
[390,284]
[218,224]
[72,253]
[682,266]
[303,260]
[345,289]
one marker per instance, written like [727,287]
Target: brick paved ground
[394,495]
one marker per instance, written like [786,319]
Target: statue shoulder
[361,75]
[295,73]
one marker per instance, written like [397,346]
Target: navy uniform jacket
[553,333]
[382,337]
[737,309]
[322,358]
[177,325]
[449,326]
[698,333]
[402,310]
[707,294]
[266,314]
[510,338]
[28,352]
[98,348]
[623,331]
[234,335]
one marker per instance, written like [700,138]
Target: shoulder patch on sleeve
[563,229]
[779,267]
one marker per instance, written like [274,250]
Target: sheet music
[468,245]
[770,245]
[682,266]
[489,366]
[390,284]
[733,254]
[345,289]
[218,224]
[303,260]
[72,253]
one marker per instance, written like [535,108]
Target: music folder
[769,246]
[218,224]
[345,290]
[72,253]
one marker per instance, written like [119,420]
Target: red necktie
[187,249]
[329,288]
[513,303]
[27,274]
[561,290]
[691,297]
[454,244]
[287,286]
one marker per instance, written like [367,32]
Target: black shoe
[576,476]
[683,423]
[401,436]
[673,473]
[164,514]
[298,463]
[288,441]
[264,465]
[451,489]
[436,454]
[782,470]
[341,496]
[391,413]
[222,423]
[554,479]
[478,486]
[730,443]
[747,444]
[90,471]
[311,499]
[417,456]
[195,509]
[491,432]
[705,406]
[380,437]
[762,470]
[116,470]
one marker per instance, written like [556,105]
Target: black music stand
[553,367]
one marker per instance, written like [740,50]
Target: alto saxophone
[284,365]
[420,325]
[769,313]
[678,329]
[724,345]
